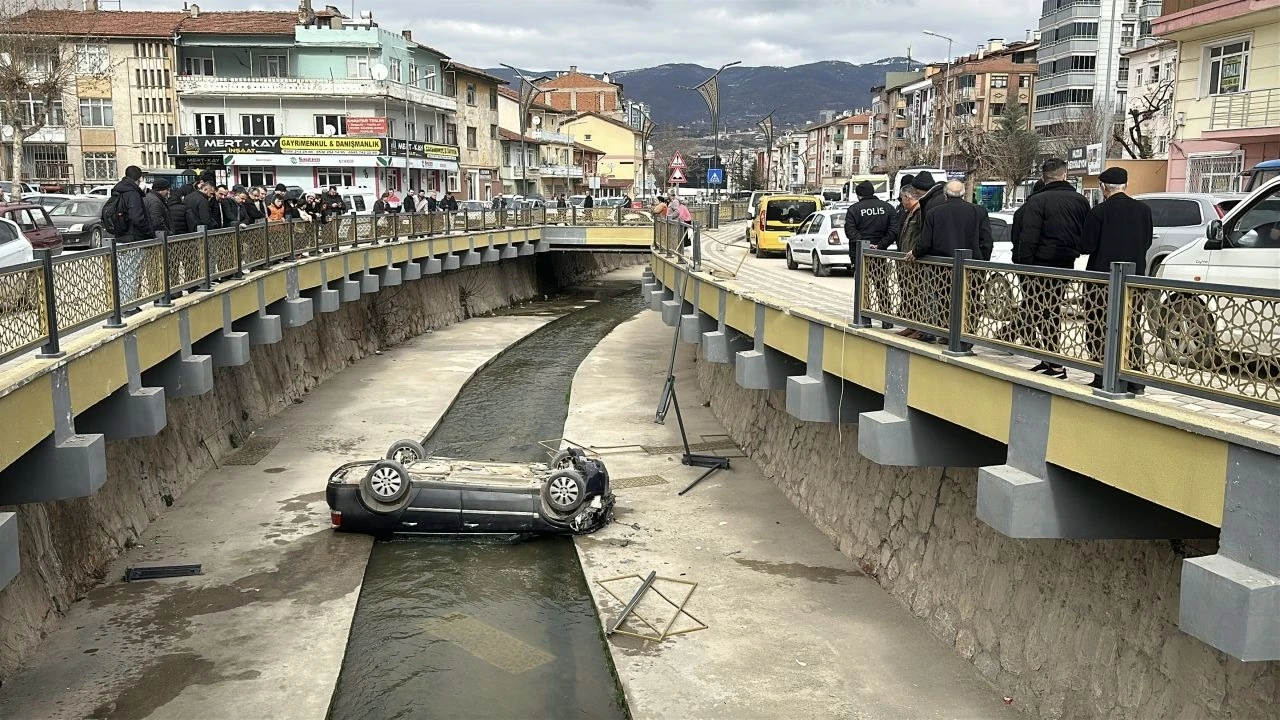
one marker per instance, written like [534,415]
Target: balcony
[204,85]
[552,137]
[1250,110]
[559,171]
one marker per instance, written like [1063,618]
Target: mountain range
[797,95]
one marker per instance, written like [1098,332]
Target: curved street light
[947,111]
[709,89]
[526,102]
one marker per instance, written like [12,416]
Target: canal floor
[262,633]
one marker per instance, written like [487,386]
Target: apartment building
[976,87]
[479,142]
[1080,61]
[838,149]
[623,145]
[1226,104]
[790,156]
[1148,77]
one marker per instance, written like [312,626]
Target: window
[1131,7]
[256,177]
[429,80]
[257,125]
[493,98]
[450,84]
[197,66]
[471,94]
[1155,74]
[211,124]
[493,132]
[274,65]
[337,122]
[33,112]
[586,137]
[358,66]
[39,62]
[100,166]
[450,134]
[91,58]
[413,73]
[1259,226]
[96,113]
[413,130]
[428,133]
[999,230]
[1137,77]
[1122,75]
[391,127]
[394,67]
[342,177]
[1228,67]
[997,109]
[1126,35]
[1173,213]
[1024,81]
[1000,81]
[472,142]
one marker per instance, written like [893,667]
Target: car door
[435,508]
[1176,222]
[14,250]
[813,236]
[1250,254]
[1002,246]
[498,509]
[800,242]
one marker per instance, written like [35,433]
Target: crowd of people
[1052,229]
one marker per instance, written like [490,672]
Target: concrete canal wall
[66,545]
[1069,629]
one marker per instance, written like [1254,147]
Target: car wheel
[406,451]
[95,238]
[819,270]
[1185,329]
[999,302]
[564,491]
[562,460]
[791,262]
[760,252]
[387,482]
[1155,266]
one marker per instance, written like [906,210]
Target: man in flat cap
[1118,229]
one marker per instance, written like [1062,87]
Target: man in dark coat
[930,189]
[952,224]
[588,201]
[156,202]
[409,203]
[1118,229]
[178,210]
[198,204]
[870,219]
[900,214]
[1015,227]
[1049,236]
[132,224]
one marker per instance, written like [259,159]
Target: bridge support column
[1231,600]
[9,555]
[763,368]
[452,262]
[324,299]
[66,464]
[723,344]
[818,396]
[293,312]
[526,248]
[411,271]
[388,275]
[900,435]
[262,329]
[432,266]
[490,254]
[132,411]
[184,373]
[657,297]
[227,347]
[696,325]
[369,282]
[471,257]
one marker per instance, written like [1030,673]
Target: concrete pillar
[262,329]
[490,254]
[9,555]
[135,410]
[509,251]
[526,248]
[183,374]
[411,271]
[323,298]
[1231,600]
[293,312]
[542,246]
[227,347]
[369,282]
[471,258]
[819,396]
[66,464]
[694,325]
[723,346]
[388,275]
[432,266]
[349,290]
[900,435]
[659,296]
[673,309]
[452,262]
[763,368]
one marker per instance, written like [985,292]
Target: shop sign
[1077,161]
[423,150]
[188,145]
[366,125]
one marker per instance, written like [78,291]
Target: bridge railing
[732,211]
[44,300]
[1218,342]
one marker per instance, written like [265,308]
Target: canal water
[491,629]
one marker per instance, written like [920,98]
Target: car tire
[95,239]
[562,460]
[385,485]
[760,252]
[819,270]
[564,491]
[791,261]
[406,451]
[1186,333]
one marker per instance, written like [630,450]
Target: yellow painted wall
[618,144]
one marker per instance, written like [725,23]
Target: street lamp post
[646,132]
[709,89]
[528,92]
[947,111]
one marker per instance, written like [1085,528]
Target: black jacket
[129,203]
[931,195]
[588,201]
[157,213]
[409,205]
[1117,230]
[332,205]
[872,220]
[178,211]
[252,212]
[952,224]
[198,212]
[1051,226]
[379,207]
[899,221]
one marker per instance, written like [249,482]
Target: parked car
[79,221]
[1180,218]
[820,243]
[46,200]
[753,201]
[6,188]
[103,190]
[15,249]
[1260,174]
[777,217]
[411,493]
[1243,249]
[35,224]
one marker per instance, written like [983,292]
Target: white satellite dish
[536,121]
[379,72]
[330,130]
[6,132]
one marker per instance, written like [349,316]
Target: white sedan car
[820,243]
[15,249]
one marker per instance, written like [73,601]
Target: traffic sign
[677,177]
[715,176]
[677,161]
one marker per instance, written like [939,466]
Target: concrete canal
[489,628]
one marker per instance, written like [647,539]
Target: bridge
[1200,456]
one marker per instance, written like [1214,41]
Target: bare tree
[1013,148]
[38,68]
[1077,128]
[967,151]
[1135,136]
[908,155]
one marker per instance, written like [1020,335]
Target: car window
[22,218]
[1259,226]
[789,211]
[999,230]
[1172,212]
[7,233]
[1226,205]
[358,200]
[815,225]
[837,220]
[804,227]
[79,208]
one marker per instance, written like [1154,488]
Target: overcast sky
[611,35]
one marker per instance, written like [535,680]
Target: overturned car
[411,493]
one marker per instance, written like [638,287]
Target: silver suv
[1180,218]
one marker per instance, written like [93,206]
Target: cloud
[612,35]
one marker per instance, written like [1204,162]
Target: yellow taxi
[776,219]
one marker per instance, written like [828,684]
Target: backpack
[114,220]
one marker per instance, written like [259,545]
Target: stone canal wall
[65,546]
[1068,629]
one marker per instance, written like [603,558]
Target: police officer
[870,219]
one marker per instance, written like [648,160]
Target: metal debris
[154,572]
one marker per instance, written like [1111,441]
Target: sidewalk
[262,633]
[795,631]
